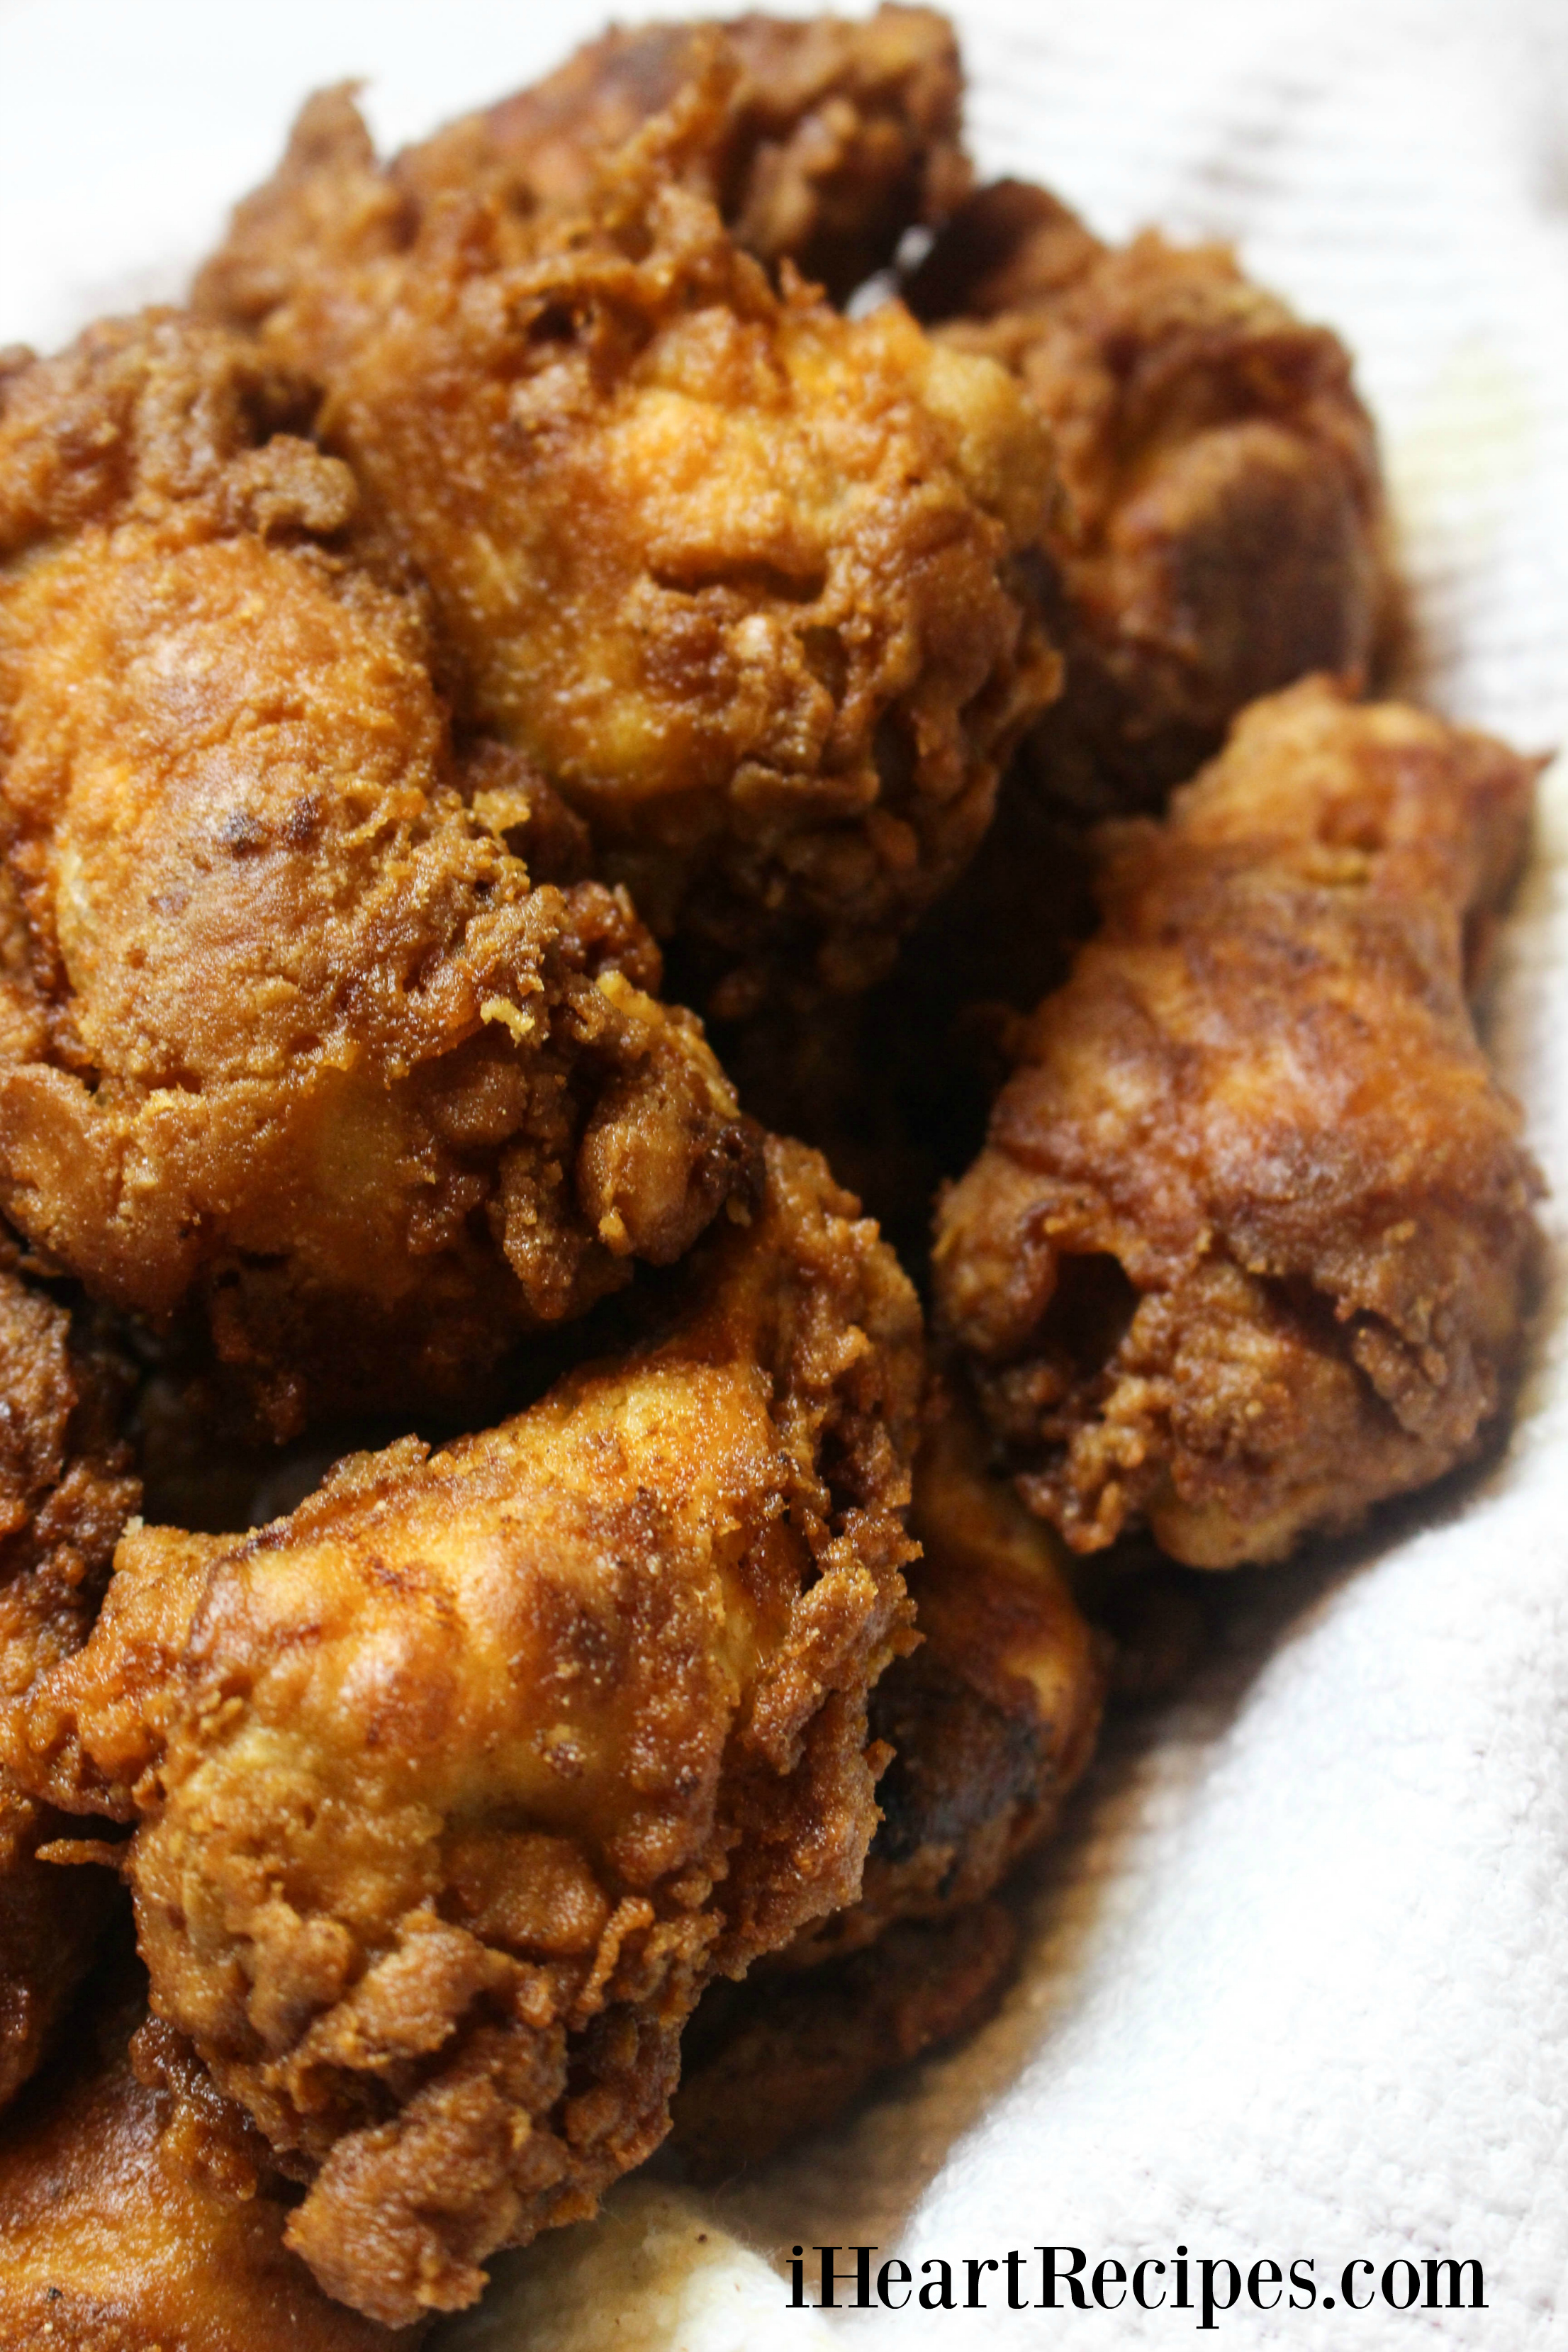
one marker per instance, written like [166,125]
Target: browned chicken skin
[993,1719]
[454,1789]
[329,1016]
[738,574]
[833,138]
[1222,530]
[66,1491]
[1249,1247]
[765,2062]
[139,2211]
[286,1027]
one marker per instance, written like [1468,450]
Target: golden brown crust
[765,2062]
[1222,530]
[737,573]
[834,137]
[1249,1247]
[285,1028]
[454,1789]
[831,139]
[65,1490]
[140,2214]
[992,1720]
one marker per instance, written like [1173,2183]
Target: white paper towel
[1294,1984]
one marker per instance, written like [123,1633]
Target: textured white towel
[1295,1985]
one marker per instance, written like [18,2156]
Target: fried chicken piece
[65,1490]
[738,575]
[287,1029]
[992,1720]
[141,2212]
[833,138]
[1249,1247]
[763,2064]
[1223,530]
[454,1789]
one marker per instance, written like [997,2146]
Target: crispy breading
[833,138]
[1249,1247]
[65,1490]
[287,1029]
[140,2214]
[765,2062]
[454,1789]
[740,575]
[1222,532]
[993,1719]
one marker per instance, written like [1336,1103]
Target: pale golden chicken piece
[738,575]
[833,138]
[1250,1248]
[141,2212]
[1223,530]
[454,1789]
[65,1490]
[288,1033]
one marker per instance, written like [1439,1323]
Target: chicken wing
[1222,532]
[65,1490]
[454,1789]
[740,575]
[287,1029]
[141,2212]
[1249,1247]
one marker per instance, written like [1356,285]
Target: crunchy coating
[287,1029]
[1222,530]
[833,138]
[993,1719]
[140,2214]
[763,2064]
[454,1787]
[65,1490]
[738,575]
[1249,1247]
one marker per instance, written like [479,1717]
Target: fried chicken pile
[538,594]
[453,1788]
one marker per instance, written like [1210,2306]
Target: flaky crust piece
[287,1029]
[1249,1247]
[454,1789]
